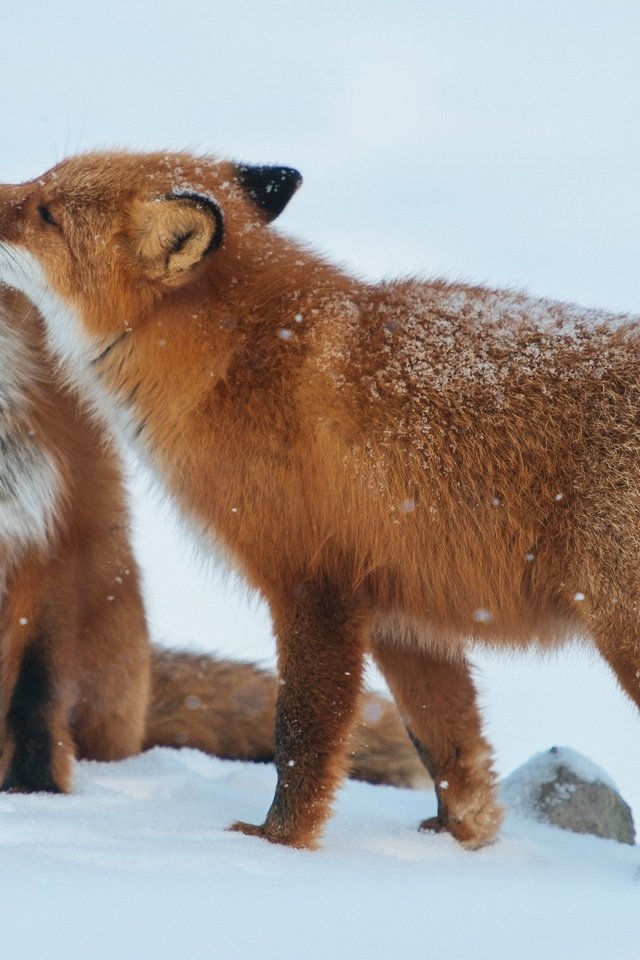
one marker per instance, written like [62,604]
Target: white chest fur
[30,480]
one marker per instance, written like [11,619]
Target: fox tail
[227,708]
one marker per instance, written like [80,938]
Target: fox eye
[46,216]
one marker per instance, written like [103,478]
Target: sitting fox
[406,468]
[77,674]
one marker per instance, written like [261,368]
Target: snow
[490,142]
[137,864]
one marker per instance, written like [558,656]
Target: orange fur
[72,598]
[227,708]
[405,467]
[73,613]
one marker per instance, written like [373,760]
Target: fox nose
[11,206]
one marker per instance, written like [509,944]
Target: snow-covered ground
[137,864]
[490,140]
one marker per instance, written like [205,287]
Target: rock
[565,789]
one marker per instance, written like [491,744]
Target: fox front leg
[321,640]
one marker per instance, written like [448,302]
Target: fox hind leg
[113,668]
[437,700]
[618,641]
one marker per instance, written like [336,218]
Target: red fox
[406,468]
[77,674]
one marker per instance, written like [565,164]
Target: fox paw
[433,825]
[474,830]
[268,833]
[250,829]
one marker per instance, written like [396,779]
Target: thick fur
[405,467]
[78,677]
[74,652]
[227,708]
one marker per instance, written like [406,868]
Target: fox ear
[270,188]
[174,233]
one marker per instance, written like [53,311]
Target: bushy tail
[227,709]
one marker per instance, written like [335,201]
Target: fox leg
[437,700]
[618,641]
[113,662]
[37,688]
[109,716]
[321,641]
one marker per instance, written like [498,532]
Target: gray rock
[565,789]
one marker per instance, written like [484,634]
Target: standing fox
[405,468]
[77,674]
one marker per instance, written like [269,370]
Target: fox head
[101,238]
